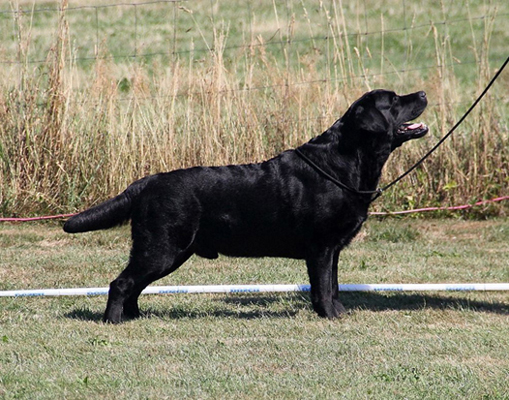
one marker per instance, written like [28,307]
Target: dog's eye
[395,99]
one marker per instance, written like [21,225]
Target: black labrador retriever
[289,206]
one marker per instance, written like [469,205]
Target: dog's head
[387,116]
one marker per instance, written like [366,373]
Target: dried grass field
[94,95]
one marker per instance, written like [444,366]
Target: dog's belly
[209,244]
[263,250]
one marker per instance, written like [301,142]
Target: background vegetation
[94,95]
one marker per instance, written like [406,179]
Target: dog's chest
[345,224]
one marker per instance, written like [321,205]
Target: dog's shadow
[252,306]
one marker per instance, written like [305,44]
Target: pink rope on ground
[453,208]
[36,218]
[417,210]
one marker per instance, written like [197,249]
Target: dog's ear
[371,119]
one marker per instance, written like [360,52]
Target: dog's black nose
[422,94]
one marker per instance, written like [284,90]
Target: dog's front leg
[320,270]
[335,285]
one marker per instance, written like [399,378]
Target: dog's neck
[352,160]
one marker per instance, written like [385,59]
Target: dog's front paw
[326,310]
[339,307]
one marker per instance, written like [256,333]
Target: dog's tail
[112,212]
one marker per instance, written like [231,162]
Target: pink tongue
[414,126]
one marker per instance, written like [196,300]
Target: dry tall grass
[70,138]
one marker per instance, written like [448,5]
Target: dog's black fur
[281,207]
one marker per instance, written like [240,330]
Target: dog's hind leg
[120,289]
[143,269]
[130,308]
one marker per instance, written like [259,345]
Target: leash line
[331,178]
[436,146]
[378,192]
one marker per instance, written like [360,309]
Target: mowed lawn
[445,345]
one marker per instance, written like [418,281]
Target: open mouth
[413,130]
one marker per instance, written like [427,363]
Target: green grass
[301,28]
[250,346]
